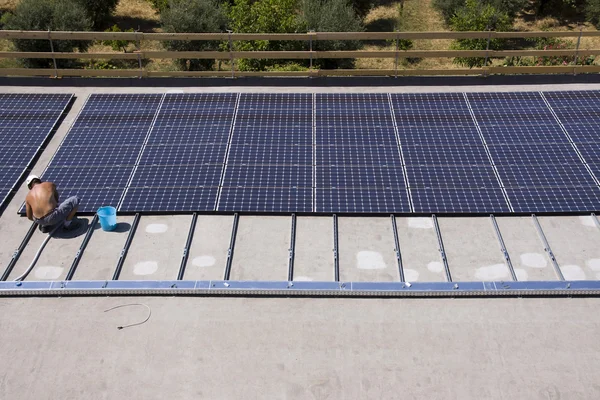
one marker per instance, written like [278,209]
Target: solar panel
[359,177]
[445,155]
[458,200]
[183,155]
[177,176]
[261,135]
[534,154]
[269,154]
[268,176]
[106,137]
[565,199]
[356,136]
[88,177]
[505,100]
[169,199]
[260,199]
[545,175]
[190,135]
[92,199]
[79,157]
[195,101]
[451,177]
[584,133]
[523,134]
[26,121]
[573,100]
[358,155]
[343,200]
[435,135]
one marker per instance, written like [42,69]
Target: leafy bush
[449,8]
[478,17]
[559,44]
[193,16]
[332,16]
[159,5]
[264,16]
[592,12]
[117,44]
[57,15]
[99,11]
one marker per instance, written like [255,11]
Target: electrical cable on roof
[132,304]
[37,255]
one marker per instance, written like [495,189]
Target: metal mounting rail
[236,219]
[18,252]
[84,244]
[441,247]
[300,288]
[336,253]
[397,248]
[503,248]
[292,249]
[547,248]
[121,261]
[186,250]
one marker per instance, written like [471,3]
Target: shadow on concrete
[121,227]
[81,230]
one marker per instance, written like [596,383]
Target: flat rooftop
[231,347]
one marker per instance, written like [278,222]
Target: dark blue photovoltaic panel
[178,119]
[420,118]
[268,176]
[183,155]
[266,199]
[358,155]
[514,117]
[580,199]
[456,177]
[260,135]
[515,134]
[584,133]
[545,175]
[439,135]
[356,119]
[9,176]
[590,152]
[34,102]
[458,200]
[120,102]
[245,118]
[270,101]
[505,100]
[574,99]
[88,177]
[198,101]
[595,170]
[429,101]
[15,137]
[577,116]
[92,199]
[284,155]
[353,109]
[112,156]
[16,156]
[190,135]
[177,176]
[382,200]
[359,177]
[445,155]
[170,199]
[534,154]
[102,137]
[348,102]
[356,136]
[93,119]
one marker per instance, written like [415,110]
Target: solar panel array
[26,121]
[335,152]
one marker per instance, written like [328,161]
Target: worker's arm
[28,211]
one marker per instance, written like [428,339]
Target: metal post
[336,259]
[292,250]
[503,248]
[577,50]
[84,244]
[547,248]
[236,219]
[397,55]
[138,48]
[397,249]
[121,261]
[186,250]
[310,48]
[53,56]
[231,54]
[441,247]
[18,252]
[593,217]
[487,50]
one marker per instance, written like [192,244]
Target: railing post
[231,55]
[397,55]
[139,55]
[577,50]
[487,52]
[53,56]
[310,48]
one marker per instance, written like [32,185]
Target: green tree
[99,11]
[159,5]
[332,16]
[41,15]
[193,16]
[264,16]
[592,12]
[449,8]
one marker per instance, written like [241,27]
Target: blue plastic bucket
[108,218]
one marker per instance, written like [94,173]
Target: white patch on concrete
[204,261]
[302,278]
[492,272]
[587,220]
[175,91]
[48,272]
[157,228]
[436,267]
[145,268]
[593,264]
[598,275]
[573,272]
[534,260]
[420,223]
[521,274]
[369,260]
[411,275]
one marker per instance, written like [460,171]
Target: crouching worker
[42,206]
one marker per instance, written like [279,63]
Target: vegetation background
[290,16]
